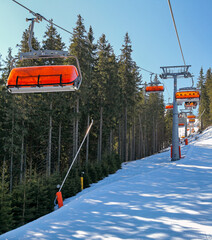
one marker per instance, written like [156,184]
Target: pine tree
[79,49]
[129,80]
[52,41]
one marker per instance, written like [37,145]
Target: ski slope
[152,198]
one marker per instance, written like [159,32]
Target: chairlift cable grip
[40,17]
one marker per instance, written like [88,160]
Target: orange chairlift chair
[191,116]
[169,105]
[188,95]
[154,86]
[38,79]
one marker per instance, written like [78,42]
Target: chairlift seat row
[191,116]
[43,79]
[183,96]
[169,106]
[154,89]
[190,104]
[187,94]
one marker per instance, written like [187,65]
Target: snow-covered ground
[152,198]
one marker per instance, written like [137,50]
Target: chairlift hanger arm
[40,17]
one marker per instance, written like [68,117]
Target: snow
[152,198]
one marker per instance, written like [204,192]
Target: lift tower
[175,72]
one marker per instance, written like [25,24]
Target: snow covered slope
[152,198]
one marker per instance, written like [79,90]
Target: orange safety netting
[42,76]
[191,120]
[154,89]
[181,124]
[187,94]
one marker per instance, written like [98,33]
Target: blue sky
[148,23]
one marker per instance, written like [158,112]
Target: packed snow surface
[152,198]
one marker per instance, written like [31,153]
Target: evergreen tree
[129,80]
[208,86]
[204,101]
[6,218]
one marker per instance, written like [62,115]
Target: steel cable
[170,7]
[40,17]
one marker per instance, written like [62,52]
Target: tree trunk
[156,136]
[11,158]
[50,142]
[98,149]
[111,141]
[119,141]
[153,136]
[22,154]
[77,127]
[59,147]
[87,141]
[142,144]
[74,140]
[100,134]
[3,175]
[125,136]
[127,150]
[24,172]
[24,206]
[130,144]
[133,140]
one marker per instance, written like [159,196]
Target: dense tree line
[205,107]
[40,133]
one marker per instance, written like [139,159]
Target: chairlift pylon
[51,78]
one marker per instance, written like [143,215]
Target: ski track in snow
[151,198]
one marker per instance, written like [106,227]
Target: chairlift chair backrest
[169,106]
[191,116]
[154,89]
[43,79]
[187,94]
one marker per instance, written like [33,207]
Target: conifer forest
[40,133]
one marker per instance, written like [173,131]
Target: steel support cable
[76,155]
[146,70]
[170,7]
[40,17]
